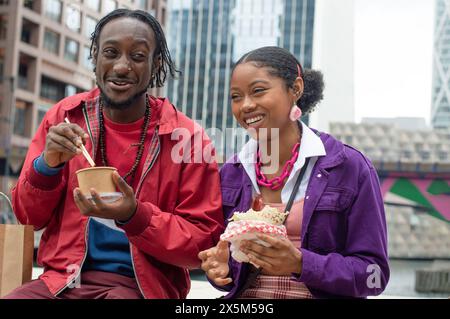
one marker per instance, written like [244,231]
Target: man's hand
[63,142]
[215,263]
[281,258]
[121,210]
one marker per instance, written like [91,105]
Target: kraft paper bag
[16,256]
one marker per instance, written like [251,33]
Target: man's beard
[107,102]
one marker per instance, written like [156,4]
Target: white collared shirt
[311,146]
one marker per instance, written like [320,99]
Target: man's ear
[157,62]
[94,53]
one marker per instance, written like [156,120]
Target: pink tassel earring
[295,113]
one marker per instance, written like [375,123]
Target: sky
[393,58]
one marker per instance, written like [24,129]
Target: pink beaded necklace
[276,182]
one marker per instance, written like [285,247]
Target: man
[141,245]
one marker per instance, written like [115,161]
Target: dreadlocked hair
[161,51]
[282,64]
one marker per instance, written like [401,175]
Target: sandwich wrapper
[247,225]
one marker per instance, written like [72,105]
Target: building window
[407,154]
[4,2]
[23,76]
[22,118]
[70,90]
[52,10]
[73,19]
[93,4]
[426,155]
[26,34]
[26,72]
[34,5]
[87,63]
[42,110]
[52,90]
[163,16]
[30,32]
[51,41]
[142,4]
[109,5]
[3,26]
[71,50]
[2,66]
[89,26]
[28,4]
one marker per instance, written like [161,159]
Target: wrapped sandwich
[246,225]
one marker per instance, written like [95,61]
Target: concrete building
[413,167]
[44,50]
[440,107]
[405,123]
[387,143]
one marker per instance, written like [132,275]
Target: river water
[403,276]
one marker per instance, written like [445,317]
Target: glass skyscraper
[255,24]
[207,37]
[440,109]
[201,44]
[297,25]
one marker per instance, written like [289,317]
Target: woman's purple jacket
[344,241]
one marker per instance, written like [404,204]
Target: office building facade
[440,107]
[207,37]
[44,50]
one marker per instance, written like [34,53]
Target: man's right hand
[63,143]
[215,263]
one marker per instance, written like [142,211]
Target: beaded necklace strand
[277,182]
[147,118]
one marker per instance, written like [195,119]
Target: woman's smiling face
[259,99]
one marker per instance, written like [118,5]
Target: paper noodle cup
[100,179]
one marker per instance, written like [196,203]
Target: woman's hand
[63,142]
[282,258]
[215,263]
[121,210]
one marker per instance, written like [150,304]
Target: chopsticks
[83,149]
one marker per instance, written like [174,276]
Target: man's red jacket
[179,210]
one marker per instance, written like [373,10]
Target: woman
[336,245]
